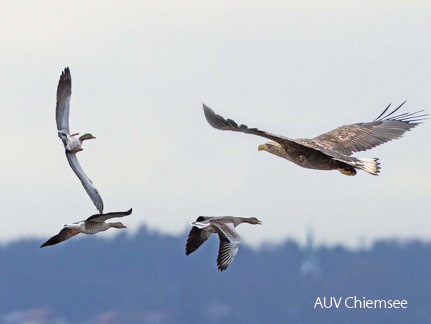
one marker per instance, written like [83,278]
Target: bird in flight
[224,226]
[72,143]
[92,225]
[332,150]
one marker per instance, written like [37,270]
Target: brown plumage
[331,150]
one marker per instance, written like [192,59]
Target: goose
[92,225]
[72,143]
[224,226]
[331,150]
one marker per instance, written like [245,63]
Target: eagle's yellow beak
[262,147]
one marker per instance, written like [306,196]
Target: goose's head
[117,225]
[86,136]
[253,220]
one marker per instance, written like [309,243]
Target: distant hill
[147,278]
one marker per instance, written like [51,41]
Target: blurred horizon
[149,279]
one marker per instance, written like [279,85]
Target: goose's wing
[100,218]
[195,239]
[221,123]
[85,180]
[197,236]
[63,235]
[348,139]
[64,92]
[229,243]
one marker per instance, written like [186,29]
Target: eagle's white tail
[372,166]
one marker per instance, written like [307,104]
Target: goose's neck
[85,137]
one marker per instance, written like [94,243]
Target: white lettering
[354,302]
[380,302]
[327,302]
[345,302]
[318,302]
[324,302]
[335,302]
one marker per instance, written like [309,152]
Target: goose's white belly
[73,143]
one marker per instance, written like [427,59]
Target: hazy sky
[140,72]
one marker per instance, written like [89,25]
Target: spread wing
[85,180]
[195,239]
[352,138]
[229,243]
[221,123]
[63,235]
[197,236]
[99,218]
[64,92]
[342,141]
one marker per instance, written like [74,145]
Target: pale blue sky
[140,72]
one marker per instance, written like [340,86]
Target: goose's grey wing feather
[63,235]
[195,239]
[99,218]
[221,123]
[348,139]
[85,180]
[229,244]
[197,236]
[64,92]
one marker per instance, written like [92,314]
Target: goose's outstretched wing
[85,180]
[195,239]
[348,139]
[63,235]
[229,244]
[64,92]
[197,236]
[99,218]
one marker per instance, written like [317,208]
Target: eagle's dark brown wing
[221,123]
[352,138]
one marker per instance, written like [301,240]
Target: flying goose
[224,226]
[331,150]
[72,143]
[92,225]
